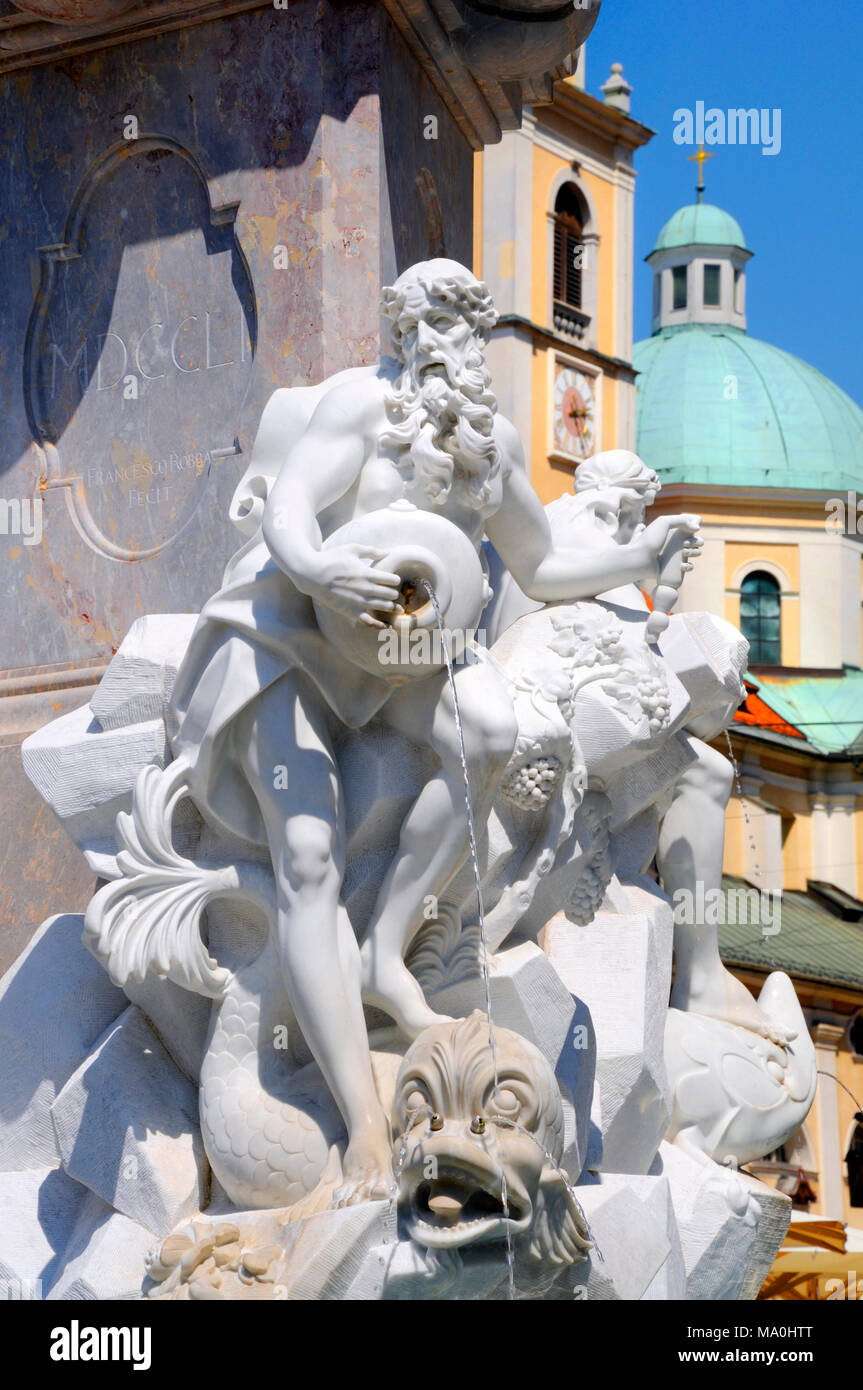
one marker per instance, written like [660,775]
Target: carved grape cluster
[588,893]
[654,698]
[530,786]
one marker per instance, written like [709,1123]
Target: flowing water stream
[468,801]
[504,1120]
[498,1120]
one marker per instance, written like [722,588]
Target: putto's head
[439,315]
[621,469]
[613,490]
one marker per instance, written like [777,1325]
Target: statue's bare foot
[392,987]
[724,997]
[367,1167]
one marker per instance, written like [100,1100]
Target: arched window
[569,219]
[760,604]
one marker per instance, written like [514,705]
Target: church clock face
[574,413]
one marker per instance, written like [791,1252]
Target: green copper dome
[720,408]
[700,224]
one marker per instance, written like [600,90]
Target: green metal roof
[718,407]
[811,944]
[700,224]
[828,710]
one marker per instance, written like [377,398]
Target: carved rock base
[688,1229]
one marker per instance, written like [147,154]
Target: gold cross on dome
[699,158]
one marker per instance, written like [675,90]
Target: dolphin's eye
[505,1102]
[415,1101]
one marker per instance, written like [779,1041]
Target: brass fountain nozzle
[477,1125]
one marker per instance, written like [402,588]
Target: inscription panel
[141,348]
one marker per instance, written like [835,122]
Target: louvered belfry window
[568,247]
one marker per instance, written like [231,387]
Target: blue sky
[802,209]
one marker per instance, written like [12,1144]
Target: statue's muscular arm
[520,533]
[322,466]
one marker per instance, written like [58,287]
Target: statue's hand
[345,579]
[668,536]
[661,531]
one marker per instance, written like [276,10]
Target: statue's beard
[444,421]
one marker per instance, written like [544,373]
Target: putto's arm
[520,533]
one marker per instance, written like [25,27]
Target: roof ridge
[769,396]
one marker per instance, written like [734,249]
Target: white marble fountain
[375,999]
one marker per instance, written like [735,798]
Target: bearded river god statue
[378,979]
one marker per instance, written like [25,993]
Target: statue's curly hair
[456,286]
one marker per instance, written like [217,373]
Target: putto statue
[419,754]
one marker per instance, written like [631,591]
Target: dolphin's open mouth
[463,1205]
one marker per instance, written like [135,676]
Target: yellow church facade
[553,239]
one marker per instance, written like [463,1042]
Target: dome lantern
[698,266]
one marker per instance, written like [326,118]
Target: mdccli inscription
[140,347]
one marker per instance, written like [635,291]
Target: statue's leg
[434,838]
[690,852]
[287,728]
